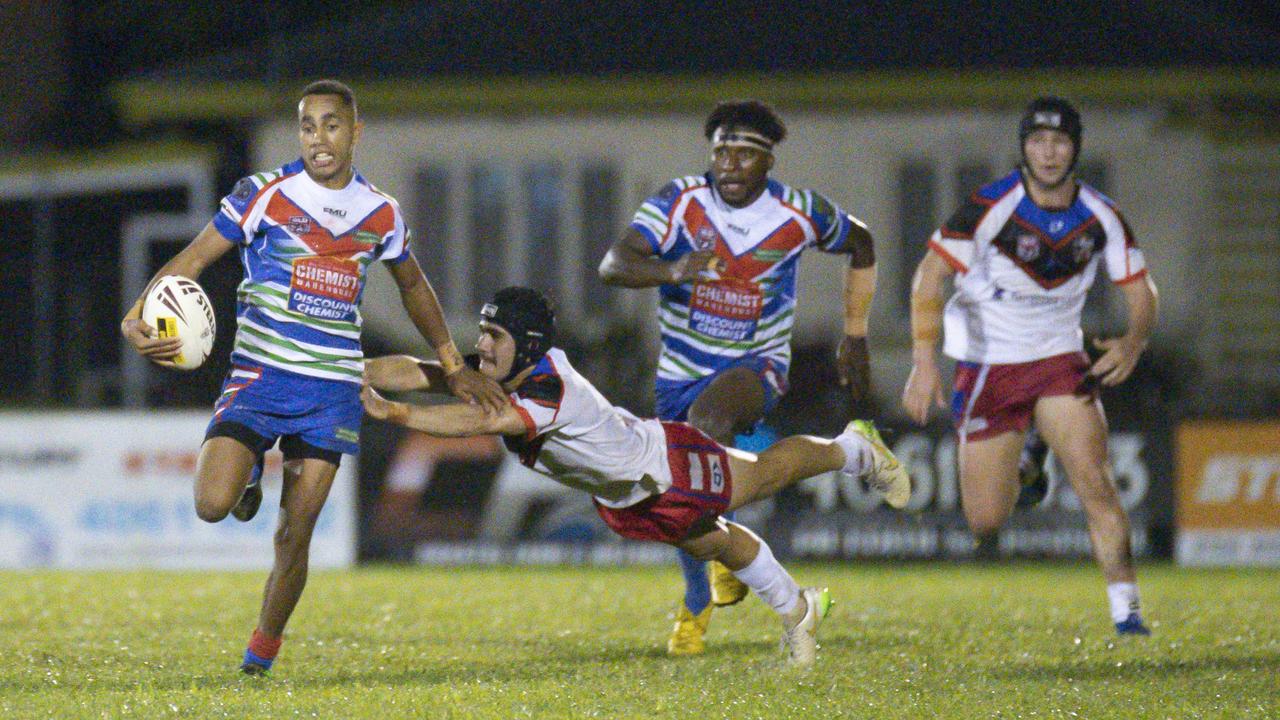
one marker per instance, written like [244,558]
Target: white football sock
[768,579]
[858,459]
[1124,600]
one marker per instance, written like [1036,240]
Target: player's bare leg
[857,451]
[306,487]
[786,462]
[751,561]
[989,482]
[222,471]
[730,405]
[1076,430]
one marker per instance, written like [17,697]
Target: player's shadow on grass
[1111,668]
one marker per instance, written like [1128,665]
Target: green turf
[903,641]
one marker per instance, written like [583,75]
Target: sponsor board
[114,490]
[521,516]
[1228,493]
[836,516]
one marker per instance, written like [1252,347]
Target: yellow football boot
[725,588]
[686,636]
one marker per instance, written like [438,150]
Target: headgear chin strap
[727,137]
[527,315]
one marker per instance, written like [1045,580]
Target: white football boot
[800,641]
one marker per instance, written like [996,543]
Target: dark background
[62,57]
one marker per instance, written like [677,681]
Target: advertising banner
[114,490]
[1228,492]
[449,501]
[835,516]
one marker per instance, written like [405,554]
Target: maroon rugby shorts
[993,399]
[701,487]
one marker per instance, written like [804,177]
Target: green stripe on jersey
[674,360]
[652,214]
[253,350]
[288,344]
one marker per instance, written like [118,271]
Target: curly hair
[751,114]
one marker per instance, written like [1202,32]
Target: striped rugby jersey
[305,251]
[1024,271]
[749,309]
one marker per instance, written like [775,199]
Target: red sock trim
[263,645]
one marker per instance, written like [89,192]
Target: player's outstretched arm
[452,420]
[630,262]
[1120,355]
[420,301]
[924,385]
[400,373]
[200,253]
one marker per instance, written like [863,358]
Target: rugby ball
[176,306]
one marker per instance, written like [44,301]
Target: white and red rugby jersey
[1023,271]
[580,439]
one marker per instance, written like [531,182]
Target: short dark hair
[751,114]
[332,87]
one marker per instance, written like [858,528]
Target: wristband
[450,358]
[859,291]
[926,319]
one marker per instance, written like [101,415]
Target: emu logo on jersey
[705,238]
[1028,247]
[299,224]
[1081,249]
[1056,226]
[337,212]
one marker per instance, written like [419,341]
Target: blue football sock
[697,588]
[255,475]
[251,659]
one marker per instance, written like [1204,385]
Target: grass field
[904,641]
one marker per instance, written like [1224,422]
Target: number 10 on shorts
[702,467]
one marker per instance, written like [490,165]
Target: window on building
[601,191]
[544,189]
[488,191]
[917,218]
[430,226]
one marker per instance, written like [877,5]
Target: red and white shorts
[992,399]
[701,487]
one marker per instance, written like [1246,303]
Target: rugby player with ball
[306,234]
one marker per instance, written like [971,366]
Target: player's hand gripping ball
[177,307]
